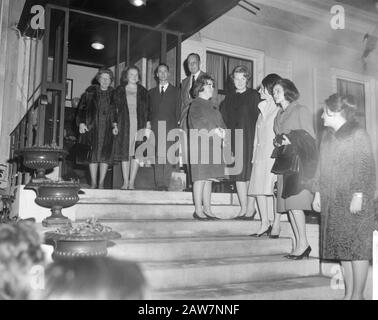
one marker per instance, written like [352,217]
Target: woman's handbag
[83,149]
[287,160]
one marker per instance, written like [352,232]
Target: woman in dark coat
[344,193]
[131,101]
[292,116]
[240,111]
[204,115]
[97,119]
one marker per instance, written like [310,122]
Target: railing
[42,125]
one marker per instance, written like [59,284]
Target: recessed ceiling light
[138,3]
[97,46]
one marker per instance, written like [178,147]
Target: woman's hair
[269,81]
[20,250]
[345,104]
[291,92]
[102,71]
[200,83]
[98,278]
[125,73]
[241,69]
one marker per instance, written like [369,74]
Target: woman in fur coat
[344,193]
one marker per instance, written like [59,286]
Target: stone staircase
[187,259]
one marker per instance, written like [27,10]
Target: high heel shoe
[197,217]
[266,232]
[305,254]
[274,236]
[210,217]
[245,217]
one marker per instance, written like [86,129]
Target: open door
[54,73]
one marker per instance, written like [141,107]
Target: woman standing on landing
[262,180]
[345,193]
[240,112]
[293,116]
[131,101]
[204,115]
[97,119]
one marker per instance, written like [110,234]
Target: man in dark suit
[194,63]
[165,104]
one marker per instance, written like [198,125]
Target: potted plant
[88,239]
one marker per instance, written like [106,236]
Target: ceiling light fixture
[97,46]
[138,3]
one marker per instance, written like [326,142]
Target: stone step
[193,273]
[163,249]
[299,288]
[147,211]
[150,197]
[110,211]
[135,229]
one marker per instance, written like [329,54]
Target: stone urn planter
[84,240]
[55,195]
[42,158]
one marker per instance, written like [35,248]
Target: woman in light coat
[262,180]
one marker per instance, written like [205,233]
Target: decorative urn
[84,240]
[42,158]
[55,195]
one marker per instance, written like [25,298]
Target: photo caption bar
[186,309]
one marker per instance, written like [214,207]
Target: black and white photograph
[207,151]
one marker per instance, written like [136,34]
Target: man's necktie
[191,88]
[193,80]
[162,90]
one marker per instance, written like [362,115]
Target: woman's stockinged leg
[93,168]
[295,230]
[263,209]
[300,221]
[125,174]
[133,173]
[276,227]
[103,171]
[348,278]
[360,272]
[241,188]
[198,187]
[251,204]
[206,197]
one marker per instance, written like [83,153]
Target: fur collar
[347,129]
[96,89]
